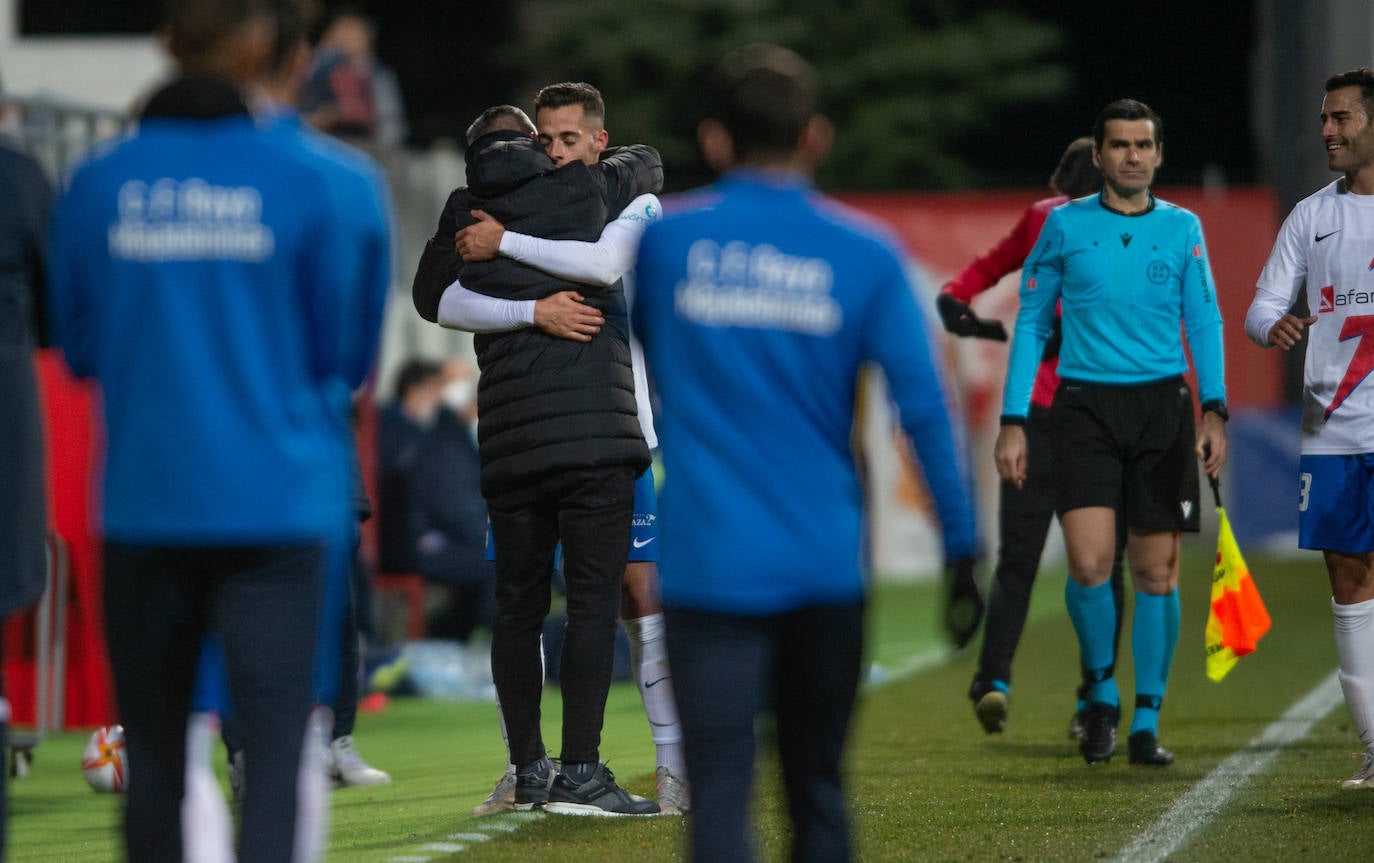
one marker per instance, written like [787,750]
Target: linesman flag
[1237,619]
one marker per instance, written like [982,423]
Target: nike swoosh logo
[638,544]
[652,683]
[1321,237]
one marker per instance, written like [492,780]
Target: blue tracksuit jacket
[757,308]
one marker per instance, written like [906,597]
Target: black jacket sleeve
[630,172]
[439,263]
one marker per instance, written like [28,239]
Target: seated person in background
[448,513]
[403,426]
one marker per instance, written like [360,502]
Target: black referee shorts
[1127,446]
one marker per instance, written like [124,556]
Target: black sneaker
[597,796]
[1145,749]
[532,785]
[1098,742]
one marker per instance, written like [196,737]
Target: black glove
[956,315]
[964,605]
[960,320]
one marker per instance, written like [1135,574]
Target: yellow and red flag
[1237,619]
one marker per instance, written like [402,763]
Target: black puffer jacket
[544,404]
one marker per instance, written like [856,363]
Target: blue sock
[1154,632]
[1000,686]
[1093,613]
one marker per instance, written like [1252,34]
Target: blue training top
[195,272]
[757,308]
[1125,283]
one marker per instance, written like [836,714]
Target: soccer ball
[105,761]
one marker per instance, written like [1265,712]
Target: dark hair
[295,23]
[763,95]
[498,118]
[415,372]
[1363,77]
[573,93]
[195,28]
[1076,175]
[1127,109]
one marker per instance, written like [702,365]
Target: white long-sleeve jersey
[1327,244]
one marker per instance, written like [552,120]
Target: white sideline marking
[1195,808]
[509,822]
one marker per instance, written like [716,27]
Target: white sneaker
[347,767]
[501,798]
[1364,777]
[671,793]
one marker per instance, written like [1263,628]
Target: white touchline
[1195,808]
[509,822]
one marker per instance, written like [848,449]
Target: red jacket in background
[1007,256]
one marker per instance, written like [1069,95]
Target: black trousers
[159,603]
[1023,522]
[590,511]
[728,669]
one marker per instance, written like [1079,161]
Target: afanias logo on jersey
[1330,300]
[1031,284]
[1197,250]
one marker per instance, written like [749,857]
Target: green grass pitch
[926,783]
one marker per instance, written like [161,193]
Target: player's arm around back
[439,263]
[895,336]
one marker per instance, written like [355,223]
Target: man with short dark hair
[1024,514]
[1325,244]
[1128,268]
[757,309]
[559,443]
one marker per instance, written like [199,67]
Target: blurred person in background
[362,197]
[349,92]
[1025,513]
[404,425]
[570,118]
[1324,246]
[758,303]
[28,198]
[1128,269]
[449,514]
[226,501]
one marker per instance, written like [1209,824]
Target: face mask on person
[458,395]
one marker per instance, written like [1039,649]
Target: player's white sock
[207,834]
[649,665]
[1355,649]
[312,788]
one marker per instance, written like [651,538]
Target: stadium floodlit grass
[926,782]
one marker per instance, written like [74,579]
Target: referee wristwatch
[1218,407]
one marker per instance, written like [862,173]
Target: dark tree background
[927,94]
